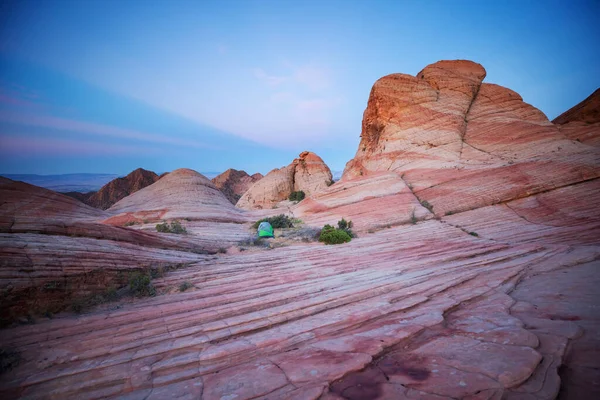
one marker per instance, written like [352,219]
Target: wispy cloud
[271,80]
[61,147]
[88,128]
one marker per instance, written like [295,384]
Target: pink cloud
[51,146]
[47,121]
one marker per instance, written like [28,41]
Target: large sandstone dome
[183,193]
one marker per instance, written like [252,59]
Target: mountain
[119,188]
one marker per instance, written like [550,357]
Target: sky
[109,86]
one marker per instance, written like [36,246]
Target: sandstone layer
[307,173]
[234,183]
[582,122]
[53,251]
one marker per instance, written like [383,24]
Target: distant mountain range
[82,183]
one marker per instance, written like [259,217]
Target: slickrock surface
[183,193]
[234,183]
[53,250]
[307,173]
[289,322]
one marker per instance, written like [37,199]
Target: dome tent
[265,229]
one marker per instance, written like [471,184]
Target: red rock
[117,189]
[234,183]
[307,173]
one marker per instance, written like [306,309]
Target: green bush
[346,226]
[175,227]
[297,196]
[474,234]
[413,217]
[141,285]
[330,235]
[277,222]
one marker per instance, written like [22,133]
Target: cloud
[312,77]
[24,146]
[62,124]
[271,80]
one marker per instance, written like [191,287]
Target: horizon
[105,88]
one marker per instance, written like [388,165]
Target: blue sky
[110,86]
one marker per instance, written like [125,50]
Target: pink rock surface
[307,173]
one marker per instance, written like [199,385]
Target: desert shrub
[130,223]
[449,212]
[277,222]
[297,196]
[175,227]
[331,235]
[140,285]
[185,286]
[474,234]
[413,217]
[222,250]
[346,226]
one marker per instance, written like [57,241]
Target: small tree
[297,196]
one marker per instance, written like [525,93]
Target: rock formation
[53,251]
[307,173]
[183,193]
[120,188]
[116,189]
[582,122]
[474,276]
[234,183]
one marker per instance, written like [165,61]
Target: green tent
[265,229]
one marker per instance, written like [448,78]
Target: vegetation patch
[413,217]
[426,204]
[297,196]
[346,226]
[140,285]
[185,286]
[474,234]
[277,222]
[331,235]
[174,227]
